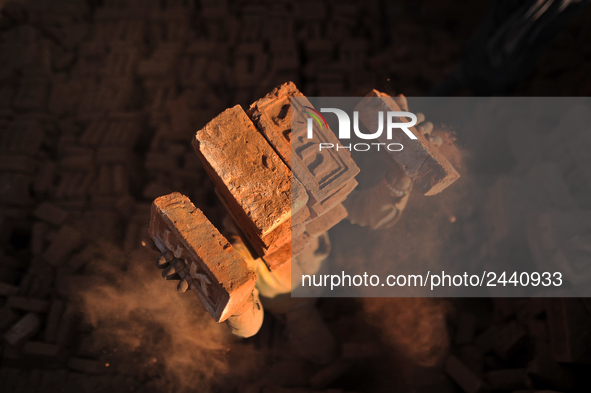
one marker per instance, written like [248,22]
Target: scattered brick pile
[98,103]
[532,345]
[536,217]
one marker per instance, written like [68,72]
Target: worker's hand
[424,127]
[172,267]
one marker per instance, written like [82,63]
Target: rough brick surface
[278,247]
[423,163]
[219,276]
[246,169]
[272,117]
[261,245]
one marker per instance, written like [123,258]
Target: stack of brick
[236,155]
[111,56]
[74,76]
[29,324]
[36,321]
[327,176]
[201,256]
[168,30]
[203,74]
[67,176]
[96,164]
[279,201]
[39,326]
[170,162]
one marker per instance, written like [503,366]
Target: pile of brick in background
[535,217]
[98,103]
[524,345]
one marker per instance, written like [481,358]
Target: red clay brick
[220,277]
[273,247]
[246,169]
[423,163]
[301,217]
[22,303]
[289,250]
[321,173]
